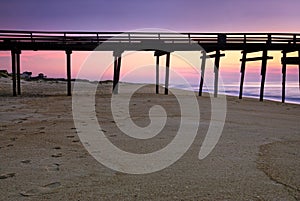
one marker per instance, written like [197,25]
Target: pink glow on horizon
[53,63]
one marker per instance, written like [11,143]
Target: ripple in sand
[41,190]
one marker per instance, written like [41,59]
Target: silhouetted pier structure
[162,44]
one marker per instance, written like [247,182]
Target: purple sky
[122,15]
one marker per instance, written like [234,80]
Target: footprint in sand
[41,190]
[56,155]
[53,167]
[7,175]
[26,161]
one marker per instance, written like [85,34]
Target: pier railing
[139,37]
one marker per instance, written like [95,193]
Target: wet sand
[42,158]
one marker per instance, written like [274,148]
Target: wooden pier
[210,44]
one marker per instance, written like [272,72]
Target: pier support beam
[263,74]
[157,75]
[18,53]
[159,53]
[167,74]
[68,53]
[243,67]
[217,57]
[203,62]
[288,61]
[264,60]
[217,65]
[13,70]
[299,69]
[283,76]
[117,69]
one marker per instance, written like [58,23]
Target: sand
[42,158]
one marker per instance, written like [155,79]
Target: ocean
[273,90]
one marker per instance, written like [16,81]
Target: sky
[130,15]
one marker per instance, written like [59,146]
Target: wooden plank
[290,60]
[258,58]
[160,53]
[213,56]
[222,39]
[289,51]
[251,51]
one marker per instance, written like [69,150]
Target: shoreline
[109,82]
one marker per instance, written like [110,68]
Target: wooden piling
[243,67]
[217,64]
[263,73]
[299,70]
[115,83]
[117,68]
[283,75]
[203,62]
[13,70]
[157,75]
[167,74]
[18,52]
[68,54]
[118,73]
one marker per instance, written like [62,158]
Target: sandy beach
[42,158]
